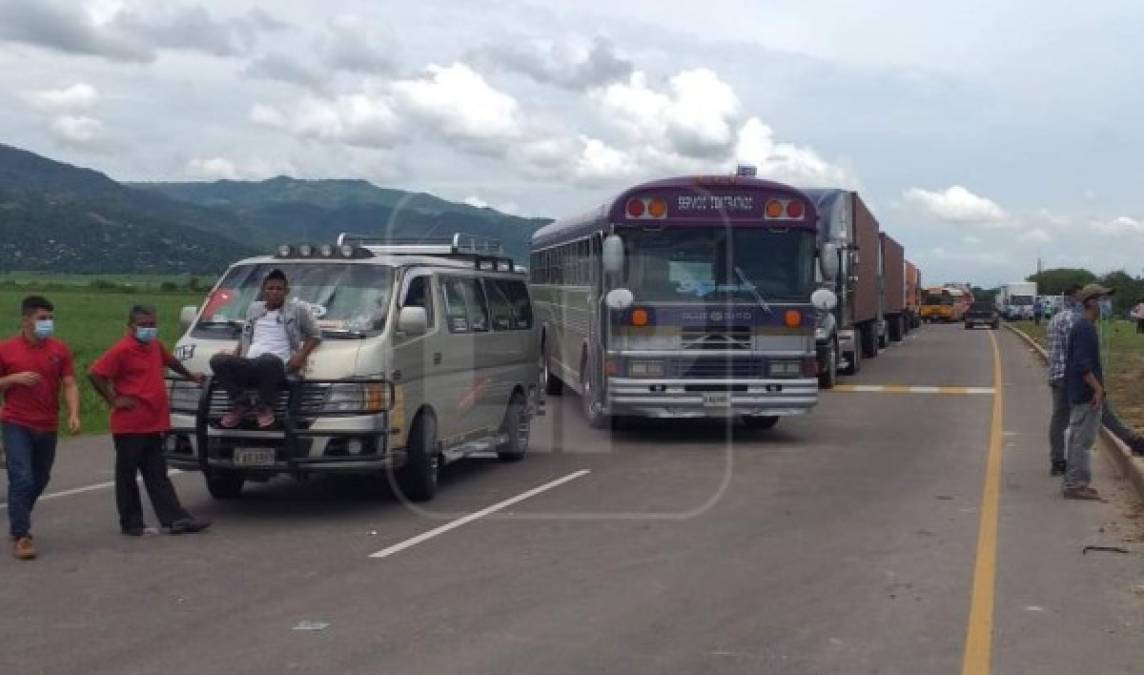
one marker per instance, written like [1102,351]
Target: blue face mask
[44,328]
[146,333]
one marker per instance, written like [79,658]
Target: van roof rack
[485,252]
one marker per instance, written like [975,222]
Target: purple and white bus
[683,298]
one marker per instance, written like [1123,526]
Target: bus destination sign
[693,203]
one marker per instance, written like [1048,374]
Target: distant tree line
[1129,289]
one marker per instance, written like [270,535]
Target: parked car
[982,314]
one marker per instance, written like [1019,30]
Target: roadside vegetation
[1123,353]
[91,316]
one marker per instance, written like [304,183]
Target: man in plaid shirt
[1058,334]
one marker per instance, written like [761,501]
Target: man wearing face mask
[130,377]
[34,366]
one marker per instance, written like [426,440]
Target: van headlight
[645,369]
[353,397]
[784,368]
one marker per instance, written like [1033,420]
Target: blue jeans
[30,456]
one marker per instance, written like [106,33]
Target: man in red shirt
[130,377]
[33,368]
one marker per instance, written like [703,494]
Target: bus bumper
[710,398]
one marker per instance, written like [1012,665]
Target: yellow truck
[937,305]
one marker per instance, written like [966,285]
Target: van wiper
[754,291]
[344,334]
[230,323]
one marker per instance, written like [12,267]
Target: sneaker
[1058,469]
[188,526]
[23,548]
[1086,492]
[265,417]
[233,418]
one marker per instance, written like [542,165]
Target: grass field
[90,322]
[1123,356]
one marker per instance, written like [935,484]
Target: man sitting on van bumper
[277,338]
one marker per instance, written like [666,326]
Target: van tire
[516,427]
[417,480]
[223,484]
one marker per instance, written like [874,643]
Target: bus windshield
[346,299]
[701,263]
[937,299]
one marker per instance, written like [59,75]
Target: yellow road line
[979,636]
[910,389]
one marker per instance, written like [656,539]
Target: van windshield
[349,300]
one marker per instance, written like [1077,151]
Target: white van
[429,353]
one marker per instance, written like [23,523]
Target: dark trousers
[30,457]
[236,374]
[143,454]
[1139,326]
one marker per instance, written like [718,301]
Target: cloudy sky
[981,136]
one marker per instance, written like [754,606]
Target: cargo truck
[913,296]
[855,328]
[1015,300]
[893,287]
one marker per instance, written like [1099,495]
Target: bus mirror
[413,321]
[619,299]
[613,254]
[187,316]
[828,260]
[824,299]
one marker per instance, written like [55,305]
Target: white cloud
[567,65]
[353,45]
[214,168]
[509,207]
[363,119]
[970,239]
[956,204]
[76,98]
[786,162]
[1118,226]
[1035,236]
[459,103]
[77,130]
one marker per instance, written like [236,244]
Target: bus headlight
[784,368]
[645,369]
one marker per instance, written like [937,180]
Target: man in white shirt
[277,338]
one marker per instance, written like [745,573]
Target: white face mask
[44,328]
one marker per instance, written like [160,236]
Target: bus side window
[499,304]
[420,295]
[478,307]
[456,313]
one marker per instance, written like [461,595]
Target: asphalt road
[842,542]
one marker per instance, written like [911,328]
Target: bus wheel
[224,484]
[417,480]
[829,377]
[552,384]
[760,421]
[590,401]
[516,426]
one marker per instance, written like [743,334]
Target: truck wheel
[897,331]
[590,399]
[417,480]
[760,421]
[869,341]
[996,325]
[223,484]
[516,426]
[855,361]
[829,376]
[552,384]
[884,338]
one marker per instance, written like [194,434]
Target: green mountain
[59,217]
[293,210]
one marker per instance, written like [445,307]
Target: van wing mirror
[187,316]
[613,254]
[413,321]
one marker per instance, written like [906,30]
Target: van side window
[420,295]
[456,313]
[478,306]
[499,305]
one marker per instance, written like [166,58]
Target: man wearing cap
[1084,381]
[277,338]
[1058,333]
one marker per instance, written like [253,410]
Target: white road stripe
[452,525]
[81,490]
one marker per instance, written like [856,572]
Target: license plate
[720,399]
[253,456]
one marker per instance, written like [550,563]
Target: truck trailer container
[913,295]
[893,287]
